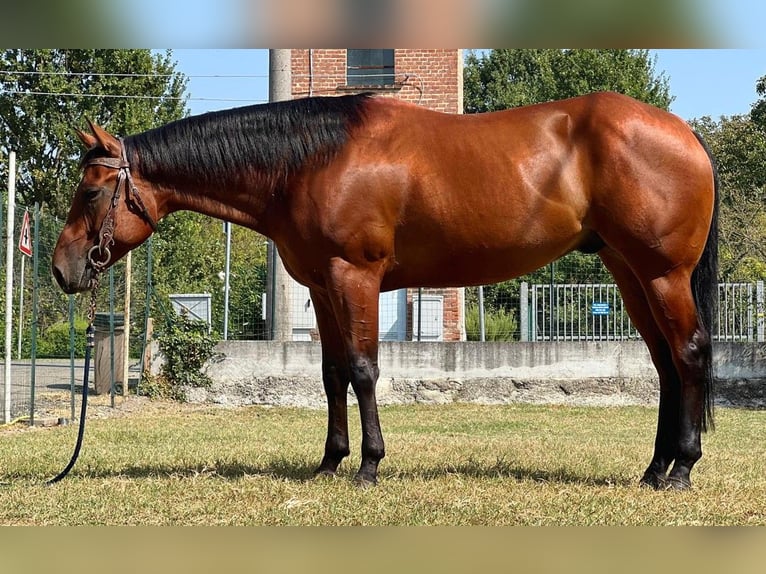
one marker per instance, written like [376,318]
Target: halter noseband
[99,255]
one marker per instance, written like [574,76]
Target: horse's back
[600,157]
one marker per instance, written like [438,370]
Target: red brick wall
[453,313]
[431,78]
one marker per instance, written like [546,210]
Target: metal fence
[595,312]
[741,312]
[34,306]
[574,313]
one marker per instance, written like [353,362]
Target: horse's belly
[482,266]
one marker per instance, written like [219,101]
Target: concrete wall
[587,373]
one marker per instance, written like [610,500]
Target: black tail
[705,290]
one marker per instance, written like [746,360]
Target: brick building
[430,78]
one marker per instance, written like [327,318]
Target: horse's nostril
[66,286]
[58,275]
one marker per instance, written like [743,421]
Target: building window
[371,68]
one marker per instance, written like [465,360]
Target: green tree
[189,257]
[502,79]
[739,146]
[758,112]
[45,93]
[247,285]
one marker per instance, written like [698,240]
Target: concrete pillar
[278,320]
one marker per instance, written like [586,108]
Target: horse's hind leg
[336,378]
[673,307]
[640,313]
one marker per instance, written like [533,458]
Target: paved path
[53,385]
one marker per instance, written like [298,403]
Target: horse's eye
[92,193]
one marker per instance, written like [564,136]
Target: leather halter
[99,255]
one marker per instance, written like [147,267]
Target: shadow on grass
[509,470]
[285,469]
[302,471]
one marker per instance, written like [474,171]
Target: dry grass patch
[165,463]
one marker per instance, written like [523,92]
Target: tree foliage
[189,256]
[739,146]
[502,79]
[758,112]
[44,94]
[247,284]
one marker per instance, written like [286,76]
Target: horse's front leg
[354,293]
[336,378]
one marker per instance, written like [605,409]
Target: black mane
[267,140]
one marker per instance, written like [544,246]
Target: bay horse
[366,194]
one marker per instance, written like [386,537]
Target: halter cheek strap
[99,255]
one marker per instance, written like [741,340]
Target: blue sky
[704,82]
[712,82]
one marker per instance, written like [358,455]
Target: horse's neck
[241,194]
[245,204]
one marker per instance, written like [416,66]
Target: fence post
[550,302]
[760,312]
[420,312]
[112,371]
[533,315]
[147,313]
[9,284]
[524,311]
[482,325]
[71,357]
[126,323]
[226,281]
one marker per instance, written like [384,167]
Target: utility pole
[278,319]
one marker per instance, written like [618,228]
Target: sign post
[25,246]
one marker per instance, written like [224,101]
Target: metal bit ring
[99,264]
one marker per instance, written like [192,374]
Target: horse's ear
[87,139]
[105,139]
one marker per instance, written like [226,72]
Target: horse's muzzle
[72,283]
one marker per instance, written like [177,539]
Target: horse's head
[110,213]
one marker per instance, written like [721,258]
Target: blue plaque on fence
[598,308]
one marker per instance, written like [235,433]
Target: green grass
[458,464]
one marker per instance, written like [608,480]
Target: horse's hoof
[327,467]
[364,482]
[323,474]
[677,483]
[652,480]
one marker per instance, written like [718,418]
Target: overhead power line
[127,97]
[129,75]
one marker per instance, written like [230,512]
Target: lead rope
[90,343]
